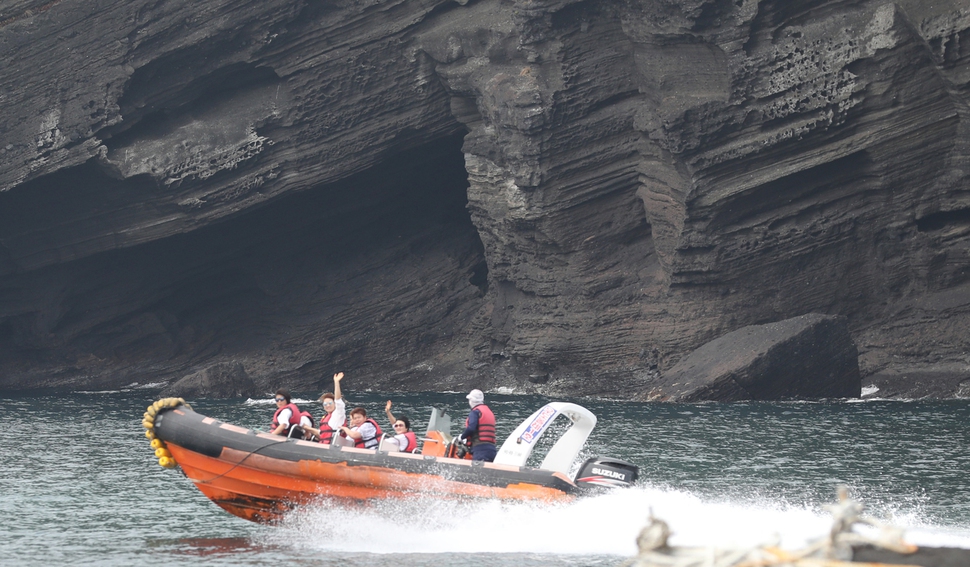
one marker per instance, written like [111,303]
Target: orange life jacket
[294,416]
[486,426]
[412,442]
[327,432]
[369,442]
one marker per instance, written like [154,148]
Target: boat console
[595,473]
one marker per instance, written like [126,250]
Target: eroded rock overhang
[639,177]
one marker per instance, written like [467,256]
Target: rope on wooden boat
[835,550]
[165,458]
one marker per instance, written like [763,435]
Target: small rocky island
[553,196]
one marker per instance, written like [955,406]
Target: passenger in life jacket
[479,428]
[287,414]
[365,432]
[402,439]
[306,423]
[335,416]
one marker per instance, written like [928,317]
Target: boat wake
[598,525]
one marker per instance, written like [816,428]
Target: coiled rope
[833,550]
[165,458]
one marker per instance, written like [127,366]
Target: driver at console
[480,428]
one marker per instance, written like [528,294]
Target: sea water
[79,484]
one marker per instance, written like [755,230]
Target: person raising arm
[403,439]
[335,415]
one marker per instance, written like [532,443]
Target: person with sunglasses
[335,417]
[402,439]
[287,414]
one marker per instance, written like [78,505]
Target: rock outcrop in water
[548,195]
[223,380]
[811,356]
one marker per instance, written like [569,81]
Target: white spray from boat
[607,524]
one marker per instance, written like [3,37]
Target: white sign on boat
[518,447]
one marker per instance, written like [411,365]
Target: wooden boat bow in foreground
[842,546]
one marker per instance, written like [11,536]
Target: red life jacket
[369,442]
[486,426]
[327,432]
[412,442]
[294,416]
[307,415]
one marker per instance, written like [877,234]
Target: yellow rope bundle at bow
[148,421]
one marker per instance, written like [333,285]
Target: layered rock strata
[545,195]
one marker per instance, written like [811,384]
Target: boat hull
[260,477]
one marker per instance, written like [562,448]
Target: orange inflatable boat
[259,476]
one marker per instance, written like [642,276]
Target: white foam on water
[869,390]
[600,525]
[271,401]
[939,536]
[130,387]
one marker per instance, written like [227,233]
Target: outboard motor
[606,472]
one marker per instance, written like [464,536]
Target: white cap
[476,396]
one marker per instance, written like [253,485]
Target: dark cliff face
[553,196]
